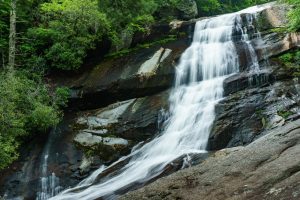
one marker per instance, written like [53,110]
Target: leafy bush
[69,28]
[42,117]
[288,57]
[62,95]
[25,108]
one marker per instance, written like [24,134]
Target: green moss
[284,113]
[279,30]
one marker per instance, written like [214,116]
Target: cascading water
[49,183]
[252,58]
[198,88]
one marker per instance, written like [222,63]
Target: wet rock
[134,119]
[87,139]
[274,16]
[110,132]
[276,121]
[265,169]
[150,66]
[107,148]
[246,115]
[141,74]
[63,159]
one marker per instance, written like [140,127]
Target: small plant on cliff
[284,113]
[291,61]
[62,95]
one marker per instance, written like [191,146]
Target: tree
[68,29]
[12,35]
[4,31]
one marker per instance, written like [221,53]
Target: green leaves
[42,117]
[25,108]
[294,15]
[62,95]
[68,30]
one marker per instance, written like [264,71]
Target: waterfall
[203,67]
[49,183]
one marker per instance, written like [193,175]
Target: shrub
[25,108]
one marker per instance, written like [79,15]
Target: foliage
[62,95]
[294,15]
[208,7]
[25,108]
[284,114]
[214,7]
[291,61]
[68,29]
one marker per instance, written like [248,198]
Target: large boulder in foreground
[269,168]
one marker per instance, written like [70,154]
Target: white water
[49,184]
[199,87]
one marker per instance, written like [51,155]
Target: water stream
[210,59]
[49,183]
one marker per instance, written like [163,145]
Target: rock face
[23,179]
[269,168]
[110,132]
[105,146]
[135,119]
[144,73]
[244,116]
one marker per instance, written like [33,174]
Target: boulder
[268,168]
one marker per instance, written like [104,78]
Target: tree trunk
[12,36]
